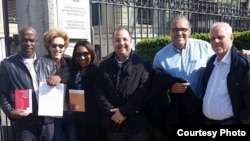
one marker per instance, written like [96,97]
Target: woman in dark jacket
[83,76]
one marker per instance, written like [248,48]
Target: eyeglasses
[57,45]
[179,29]
[80,54]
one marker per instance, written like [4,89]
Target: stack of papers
[51,100]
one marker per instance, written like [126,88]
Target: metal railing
[151,18]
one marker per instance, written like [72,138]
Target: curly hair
[53,33]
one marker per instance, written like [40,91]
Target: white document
[51,100]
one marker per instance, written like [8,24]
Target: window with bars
[12,11]
[96,19]
[145,15]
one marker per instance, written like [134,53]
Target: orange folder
[77,98]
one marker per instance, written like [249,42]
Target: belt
[226,121]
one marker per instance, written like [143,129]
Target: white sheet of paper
[29,110]
[51,100]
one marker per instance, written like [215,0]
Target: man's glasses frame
[179,29]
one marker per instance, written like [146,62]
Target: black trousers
[90,131]
[122,136]
[183,120]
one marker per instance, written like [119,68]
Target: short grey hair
[180,17]
[228,28]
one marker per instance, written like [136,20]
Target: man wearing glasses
[184,61]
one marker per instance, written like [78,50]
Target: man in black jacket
[226,80]
[25,70]
[124,83]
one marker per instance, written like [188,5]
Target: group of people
[189,82]
[25,70]
[205,83]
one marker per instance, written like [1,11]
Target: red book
[23,100]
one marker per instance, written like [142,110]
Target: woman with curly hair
[56,41]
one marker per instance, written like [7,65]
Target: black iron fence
[151,18]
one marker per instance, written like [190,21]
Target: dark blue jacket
[238,84]
[15,75]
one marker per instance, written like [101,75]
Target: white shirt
[30,66]
[216,102]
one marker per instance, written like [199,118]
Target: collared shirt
[188,63]
[120,63]
[216,102]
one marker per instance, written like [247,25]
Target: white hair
[228,28]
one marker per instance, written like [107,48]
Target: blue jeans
[65,128]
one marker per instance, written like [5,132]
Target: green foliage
[242,40]
[149,47]
[202,36]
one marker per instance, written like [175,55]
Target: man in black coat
[226,80]
[125,81]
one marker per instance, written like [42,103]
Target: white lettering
[181,132]
[226,132]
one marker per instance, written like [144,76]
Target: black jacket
[64,70]
[124,88]
[157,101]
[92,110]
[15,75]
[165,108]
[238,84]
